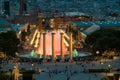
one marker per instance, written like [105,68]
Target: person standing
[15,73]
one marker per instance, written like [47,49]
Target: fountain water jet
[48,43]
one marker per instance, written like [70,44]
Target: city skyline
[88,7]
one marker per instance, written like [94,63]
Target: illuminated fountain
[32,54]
[48,43]
[52,43]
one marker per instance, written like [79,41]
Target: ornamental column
[53,47]
[56,20]
[71,48]
[40,21]
[61,47]
[44,47]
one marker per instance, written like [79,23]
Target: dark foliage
[104,39]
[9,42]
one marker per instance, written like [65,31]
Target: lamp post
[109,66]
[110,74]
[97,52]
[32,66]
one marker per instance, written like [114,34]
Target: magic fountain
[53,43]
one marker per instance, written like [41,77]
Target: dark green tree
[104,39]
[28,30]
[9,42]
[23,35]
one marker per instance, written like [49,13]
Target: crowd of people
[34,64]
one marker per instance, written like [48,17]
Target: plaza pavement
[64,70]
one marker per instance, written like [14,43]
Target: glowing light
[37,40]
[33,37]
[48,43]
[18,34]
[66,36]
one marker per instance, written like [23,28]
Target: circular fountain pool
[32,54]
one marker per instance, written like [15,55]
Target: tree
[104,39]
[23,35]
[28,30]
[9,42]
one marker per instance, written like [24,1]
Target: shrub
[105,78]
[27,74]
[6,76]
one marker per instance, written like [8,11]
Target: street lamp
[97,52]
[32,66]
[102,63]
[109,67]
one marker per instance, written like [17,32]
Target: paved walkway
[67,71]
